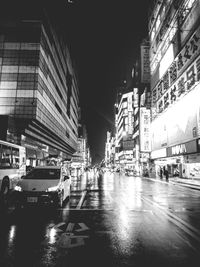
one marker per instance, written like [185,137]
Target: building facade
[110,151]
[174,30]
[124,131]
[39,96]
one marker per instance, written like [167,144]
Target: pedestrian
[161,173]
[166,173]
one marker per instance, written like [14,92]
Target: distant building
[174,30]
[110,151]
[39,96]
[81,159]
[124,131]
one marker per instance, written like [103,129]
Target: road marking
[71,241]
[70,227]
[78,207]
[189,229]
[83,227]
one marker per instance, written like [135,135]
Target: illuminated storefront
[175,136]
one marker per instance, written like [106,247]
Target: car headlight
[18,188]
[53,188]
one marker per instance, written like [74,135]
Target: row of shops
[182,160]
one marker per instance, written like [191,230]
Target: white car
[43,185]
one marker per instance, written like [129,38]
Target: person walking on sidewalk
[161,173]
[166,173]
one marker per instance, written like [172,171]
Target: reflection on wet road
[112,221]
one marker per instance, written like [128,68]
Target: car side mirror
[66,177]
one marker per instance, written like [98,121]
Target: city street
[114,221]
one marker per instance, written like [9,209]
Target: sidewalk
[191,183]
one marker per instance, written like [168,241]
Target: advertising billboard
[178,124]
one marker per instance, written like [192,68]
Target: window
[15,158]
[43,174]
[6,158]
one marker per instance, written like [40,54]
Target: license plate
[32,199]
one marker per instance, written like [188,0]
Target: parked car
[43,185]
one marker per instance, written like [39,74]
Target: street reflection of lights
[123,221]
[132,197]
[52,236]
[138,182]
[12,233]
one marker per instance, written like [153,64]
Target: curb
[192,186]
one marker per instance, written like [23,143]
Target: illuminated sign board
[182,85]
[130,122]
[145,65]
[135,97]
[181,62]
[160,153]
[186,148]
[145,130]
[130,102]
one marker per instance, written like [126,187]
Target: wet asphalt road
[112,221]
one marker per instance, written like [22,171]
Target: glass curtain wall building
[39,96]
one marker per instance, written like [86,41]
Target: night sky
[103,38]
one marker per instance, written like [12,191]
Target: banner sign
[144,130]
[180,149]
[176,69]
[182,85]
[145,65]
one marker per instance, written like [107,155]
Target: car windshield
[43,174]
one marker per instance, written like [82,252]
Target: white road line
[189,229]
[78,207]
[70,227]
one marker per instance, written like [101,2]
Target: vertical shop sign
[130,122]
[135,97]
[130,102]
[144,130]
[145,64]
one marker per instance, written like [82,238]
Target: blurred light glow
[52,236]
[12,233]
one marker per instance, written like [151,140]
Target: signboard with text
[144,130]
[180,76]
[145,65]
